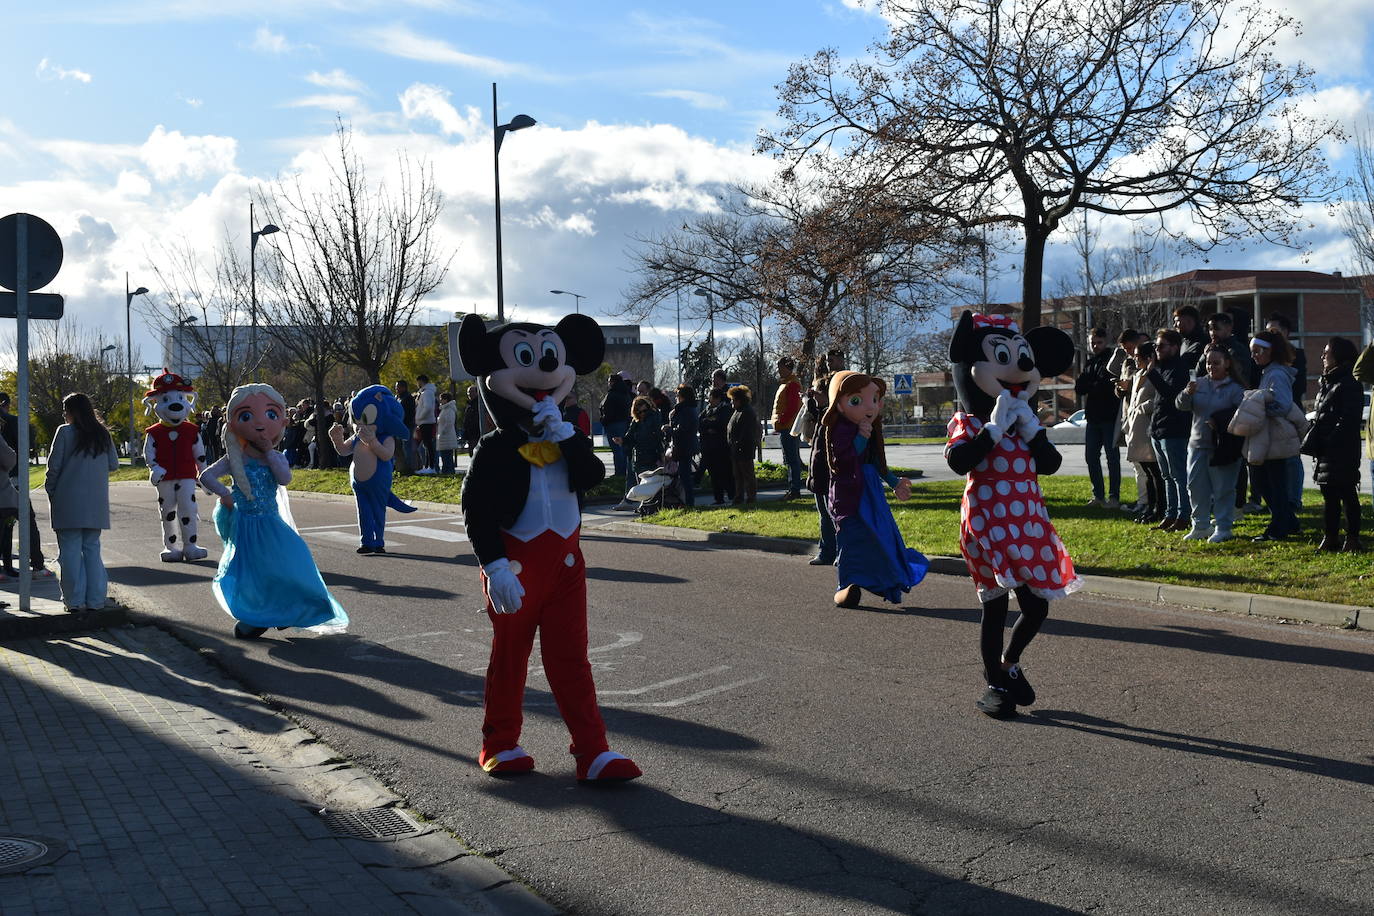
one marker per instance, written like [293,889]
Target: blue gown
[267,576]
[872,554]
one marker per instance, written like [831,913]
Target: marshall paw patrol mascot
[176,458]
[520,506]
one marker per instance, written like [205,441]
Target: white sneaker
[425,471]
[1198,534]
[1221,535]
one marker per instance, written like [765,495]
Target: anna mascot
[872,555]
[1005,533]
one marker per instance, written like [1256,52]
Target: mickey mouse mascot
[520,506]
[175,457]
[1004,531]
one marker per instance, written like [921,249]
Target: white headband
[1263,343]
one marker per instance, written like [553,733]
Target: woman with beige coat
[1139,399]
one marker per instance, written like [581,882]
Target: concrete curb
[1345,616]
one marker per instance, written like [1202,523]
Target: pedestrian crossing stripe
[340,537]
[433,534]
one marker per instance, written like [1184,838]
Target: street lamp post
[129,355]
[181,343]
[711,318]
[577,299]
[253,275]
[519,122]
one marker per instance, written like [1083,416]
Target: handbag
[804,426]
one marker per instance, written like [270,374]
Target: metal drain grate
[371,824]
[20,853]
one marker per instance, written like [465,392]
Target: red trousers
[554,576]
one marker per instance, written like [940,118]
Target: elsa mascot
[267,576]
[377,419]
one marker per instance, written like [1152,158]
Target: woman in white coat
[78,484]
[447,441]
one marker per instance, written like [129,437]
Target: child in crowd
[1213,454]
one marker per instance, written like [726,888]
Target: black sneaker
[379,550]
[1020,689]
[997,703]
[243,631]
[821,560]
[365,549]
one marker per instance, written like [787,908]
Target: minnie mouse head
[989,355]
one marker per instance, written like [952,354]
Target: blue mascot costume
[377,419]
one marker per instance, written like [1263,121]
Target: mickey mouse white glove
[1027,423]
[1003,416]
[503,587]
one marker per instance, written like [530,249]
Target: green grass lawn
[1102,542]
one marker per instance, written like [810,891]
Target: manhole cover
[20,853]
[372,824]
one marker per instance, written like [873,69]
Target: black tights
[1034,610]
[1154,487]
[1335,499]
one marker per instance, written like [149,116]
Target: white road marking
[433,534]
[636,691]
[341,537]
[624,641]
[705,693]
[354,525]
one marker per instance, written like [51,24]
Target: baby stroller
[658,489]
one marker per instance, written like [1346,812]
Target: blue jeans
[1172,455]
[828,547]
[1275,478]
[614,430]
[1212,489]
[1099,437]
[791,459]
[83,577]
[1297,474]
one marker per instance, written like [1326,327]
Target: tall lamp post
[181,343]
[577,298]
[129,356]
[711,317]
[253,274]
[519,122]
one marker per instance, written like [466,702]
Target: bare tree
[1021,112]
[201,309]
[365,254]
[784,250]
[1357,218]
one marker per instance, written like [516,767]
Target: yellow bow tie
[541,453]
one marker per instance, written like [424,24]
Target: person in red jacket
[786,405]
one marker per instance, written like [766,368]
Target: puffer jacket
[1267,438]
[1364,374]
[1135,425]
[1336,430]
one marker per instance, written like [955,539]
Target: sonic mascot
[520,506]
[175,457]
[1005,533]
[378,425]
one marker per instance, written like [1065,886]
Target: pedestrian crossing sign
[901,383]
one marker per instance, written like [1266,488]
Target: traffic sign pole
[21,313]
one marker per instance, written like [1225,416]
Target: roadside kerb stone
[1337,615]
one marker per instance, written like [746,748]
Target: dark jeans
[615,430]
[1172,455]
[717,463]
[1336,499]
[1154,488]
[689,487]
[35,544]
[427,436]
[1273,478]
[1099,437]
[828,547]
[791,459]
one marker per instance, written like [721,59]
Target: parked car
[1072,431]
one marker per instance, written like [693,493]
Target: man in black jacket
[1170,373]
[1188,323]
[1101,405]
[9,424]
[1220,331]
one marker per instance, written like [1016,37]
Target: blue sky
[130,121]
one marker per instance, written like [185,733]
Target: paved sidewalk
[160,787]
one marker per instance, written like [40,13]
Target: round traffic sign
[44,249]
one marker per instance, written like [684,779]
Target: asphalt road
[800,759]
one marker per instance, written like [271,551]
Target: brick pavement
[175,792]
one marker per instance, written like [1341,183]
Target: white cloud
[693,98]
[1333,37]
[400,41]
[170,154]
[422,101]
[339,103]
[190,100]
[47,70]
[267,41]
[335,79]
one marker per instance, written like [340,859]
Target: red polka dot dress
[1004,529]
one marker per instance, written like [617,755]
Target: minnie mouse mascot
[1005,533]
[521,509]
